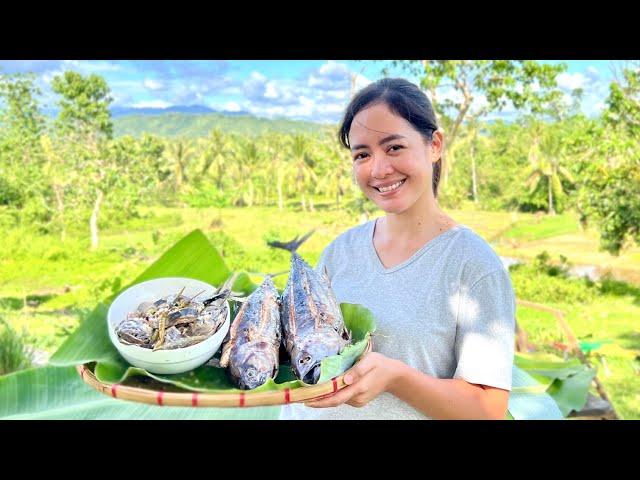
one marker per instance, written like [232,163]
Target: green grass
[543,227]
[46,286]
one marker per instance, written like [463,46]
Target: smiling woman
[442,299]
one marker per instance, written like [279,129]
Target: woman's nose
[381,166]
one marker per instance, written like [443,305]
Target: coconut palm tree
[247,157]
[546,156]
[216,149]
[303,165]
[336,169]
[180,153]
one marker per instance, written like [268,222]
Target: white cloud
[271,91]
[338,95]
[151,104]
[333,69]
[333,109]
[306,102]
[48,76]
[361,82]
[479,102]
[571,81]
[330,76]
[449,94]
[153,84]
[92,66]
[593,72]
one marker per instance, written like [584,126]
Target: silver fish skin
[312,321]
[250,352]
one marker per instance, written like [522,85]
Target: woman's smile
[389,188]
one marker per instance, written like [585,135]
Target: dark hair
[405,100]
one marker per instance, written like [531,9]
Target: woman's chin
[392,206]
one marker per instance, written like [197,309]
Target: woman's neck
[422,222]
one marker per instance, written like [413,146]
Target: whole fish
[312,321]
[251,350]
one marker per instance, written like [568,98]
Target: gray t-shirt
[448,311]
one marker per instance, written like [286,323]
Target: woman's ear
[437,143]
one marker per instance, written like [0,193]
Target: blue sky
[314,90]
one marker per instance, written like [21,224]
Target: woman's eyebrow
[386,139]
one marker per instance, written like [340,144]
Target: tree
[546,156]
[624,102]
[21,121]
[85,122]
[335,168]
[277,164]
[524,84]
[84,106]
[610,168]
[22,183]
[303,165]
[180,153]
[247,157]
[214,155]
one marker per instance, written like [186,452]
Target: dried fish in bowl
[176,321]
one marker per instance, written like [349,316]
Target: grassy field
[46,286]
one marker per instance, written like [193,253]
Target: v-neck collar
[380,266]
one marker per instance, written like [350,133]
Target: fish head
[134,331]
[253,364]
[307,356]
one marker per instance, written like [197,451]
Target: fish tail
[293,245]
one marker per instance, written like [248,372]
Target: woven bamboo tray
[204,399]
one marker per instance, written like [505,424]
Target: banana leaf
[529,399]
[566,382]
[571,393]
[195,257]
[59,393]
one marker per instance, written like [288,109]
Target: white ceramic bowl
[164,361]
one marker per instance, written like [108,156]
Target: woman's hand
[370,377]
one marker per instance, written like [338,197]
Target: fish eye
[305,359]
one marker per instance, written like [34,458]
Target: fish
[184,319]
[250,353]
[312,322]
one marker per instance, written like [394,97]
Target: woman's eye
[395,148]
[360,156]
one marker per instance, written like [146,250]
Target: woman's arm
[437,398]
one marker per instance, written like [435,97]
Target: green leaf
[588,347]
[548,368]
[194,257]
[358,320]
[571,393]
[59,393]
[528,399]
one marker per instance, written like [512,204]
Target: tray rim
[222,400]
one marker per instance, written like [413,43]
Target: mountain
[191,109]
[119,111]
[196,121]
[192,125]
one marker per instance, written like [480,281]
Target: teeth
[391,187]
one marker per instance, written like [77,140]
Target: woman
[443,301]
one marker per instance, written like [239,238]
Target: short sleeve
[485,335]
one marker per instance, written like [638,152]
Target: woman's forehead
[377,121]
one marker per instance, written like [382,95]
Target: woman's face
[392,162]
